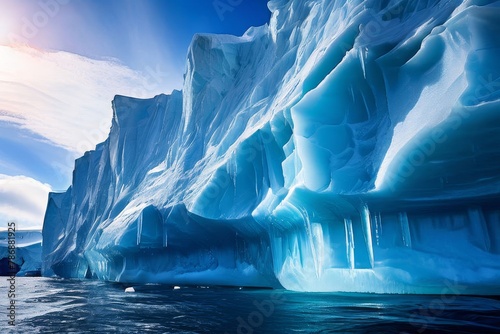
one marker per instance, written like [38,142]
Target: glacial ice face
[28,251]
[346,146]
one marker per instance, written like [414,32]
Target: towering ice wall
[346,146]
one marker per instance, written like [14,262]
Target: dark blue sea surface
[46,305]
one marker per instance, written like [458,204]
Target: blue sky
[61,63]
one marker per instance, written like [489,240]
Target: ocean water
[45,305]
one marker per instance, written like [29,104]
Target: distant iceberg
[346,146]
[28,253]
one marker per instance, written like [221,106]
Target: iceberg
[27,259]
[347,146]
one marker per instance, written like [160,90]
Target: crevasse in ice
[345,146]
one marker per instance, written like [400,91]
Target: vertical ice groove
[349,241]
[405,229]
[118,277]
[277,251]
[479,229]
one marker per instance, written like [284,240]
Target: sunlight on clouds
[23,200]
[64,97]
[5,28]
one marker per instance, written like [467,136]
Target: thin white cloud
[22,200]
[66,98]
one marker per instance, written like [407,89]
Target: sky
[63,61]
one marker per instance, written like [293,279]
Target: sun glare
[5,29]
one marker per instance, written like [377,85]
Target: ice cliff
[345,146]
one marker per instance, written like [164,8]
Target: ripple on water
[70,306]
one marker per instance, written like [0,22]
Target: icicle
[367,232]
[349,241]
[378,227]
[296,253]
[405,229]
[319,247]
[313,238]
[362,56]
[139,229]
